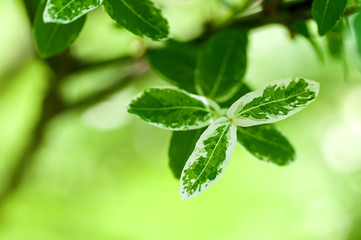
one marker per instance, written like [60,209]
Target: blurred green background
[102,174]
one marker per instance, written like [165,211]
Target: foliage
[211,108]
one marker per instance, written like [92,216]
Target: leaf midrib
[141,17]
[270,102]
[209,160]
[324,12]
[262,139]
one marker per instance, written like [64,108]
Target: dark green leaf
[140,17]
[267,143]
[222,65]
[240,93]
[328,13]
[173,109]
[356,25]
[67,11]
[335,41]
[180,148]
[274,102]
[53,38]
[209,159]
[176,63]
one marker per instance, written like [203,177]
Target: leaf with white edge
[267,143]
[273,102]
[53,38]
[173,109]
[176,63]
[209,159]
[222,65]
[181,146]
[140,17]
[67,11]
[328,13]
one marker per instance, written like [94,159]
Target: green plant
[212,65]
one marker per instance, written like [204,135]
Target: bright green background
[103,174]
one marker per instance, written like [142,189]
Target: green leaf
[52,38]
[181,146]
[140,17]
[67,11]
[240,93]
[356,27]
[273,102]
[173,109]
[222,65]
[335,41]
[328,13]
[209,159]
[176,63]
[267,143]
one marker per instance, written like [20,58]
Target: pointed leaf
[267,143]
[176,63]
[356,29]
[222,65]
[209,159]
[173,109]
[140,17]
[327,13]
[273,102]
[67,11]
[53,38]
[180,148]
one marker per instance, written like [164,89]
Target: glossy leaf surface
[327,13]
[273,102]
[53,38]
[173,109]
[222,65]
[67,11]
[209,159]
[267,143]
[140,17]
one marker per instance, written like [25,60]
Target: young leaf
[176,63]
[140,17]
[222,65]
[173,109]
[180,148]
[209,159]
[67,11]
[273,102]
[267,143]
[327,13]
[52,38]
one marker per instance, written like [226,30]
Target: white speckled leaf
[173,109]
[273,102]
[67,11]
[209,159]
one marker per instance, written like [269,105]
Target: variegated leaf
[209,159]
[67,11]
[267,143]
[273,102]
[173,109]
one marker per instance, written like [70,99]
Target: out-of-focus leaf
[328,13]
[140,17]
[240,93]
[335,41]
[274,102]
[209,159]
[180,148]
[67,11]
[222,65]
[173,109]
[267,143]
[53,38]
[176,63]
